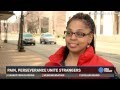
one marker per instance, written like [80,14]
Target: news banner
[41,72]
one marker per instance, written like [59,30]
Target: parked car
[28,39]
[47,38]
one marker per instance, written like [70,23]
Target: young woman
[79,49]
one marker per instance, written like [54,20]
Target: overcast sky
[13,18]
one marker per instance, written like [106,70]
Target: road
[45,50]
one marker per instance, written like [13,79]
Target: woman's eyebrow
[69,29]
[79,29]
[76,30]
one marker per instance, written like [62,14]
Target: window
[116,23]
[44,25]
[95,19]
[101,22]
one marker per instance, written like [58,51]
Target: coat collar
[83,58]
[86,56]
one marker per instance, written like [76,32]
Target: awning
[4,15]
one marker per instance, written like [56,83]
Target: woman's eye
[68,32]
[79,33]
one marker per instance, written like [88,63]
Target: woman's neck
[73,56]
[72,59]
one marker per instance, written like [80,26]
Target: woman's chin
[73,49]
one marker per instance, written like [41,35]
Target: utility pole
[20,41]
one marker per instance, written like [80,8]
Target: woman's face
[75,43]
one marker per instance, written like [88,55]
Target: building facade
[46,21]
[107,24]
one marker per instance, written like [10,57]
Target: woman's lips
[73,45]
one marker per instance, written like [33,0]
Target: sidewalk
[9,56]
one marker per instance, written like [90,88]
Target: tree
[32,22]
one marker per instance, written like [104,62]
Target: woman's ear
[90,38]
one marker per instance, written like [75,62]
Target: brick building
[47,21]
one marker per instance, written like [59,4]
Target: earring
[88,45]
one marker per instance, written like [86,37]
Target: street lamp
[20,40]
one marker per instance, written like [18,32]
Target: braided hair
[88,21]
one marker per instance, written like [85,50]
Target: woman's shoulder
[102,61]
[58,55]
[60,50]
